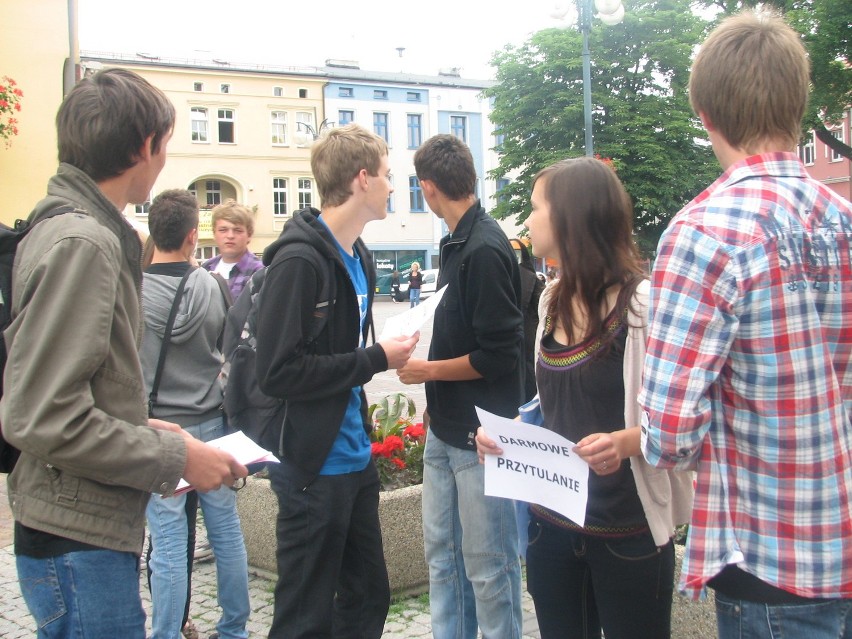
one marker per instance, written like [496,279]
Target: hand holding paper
[244,450]
[537,466]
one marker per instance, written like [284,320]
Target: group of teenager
[727,375]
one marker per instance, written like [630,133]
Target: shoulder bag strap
[164,347]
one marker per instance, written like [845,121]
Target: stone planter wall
[402,533]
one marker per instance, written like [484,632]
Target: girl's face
[538,224]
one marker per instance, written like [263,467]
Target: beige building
[34,45]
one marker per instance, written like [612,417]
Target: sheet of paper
[410,321]
[241,447]
[537,466]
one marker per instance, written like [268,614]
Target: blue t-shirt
[351,450]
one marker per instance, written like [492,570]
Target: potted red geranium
[397,441]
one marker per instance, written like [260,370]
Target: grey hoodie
[190,391]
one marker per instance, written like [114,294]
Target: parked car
[430,281]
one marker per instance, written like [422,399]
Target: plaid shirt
[240,273]
[749,375]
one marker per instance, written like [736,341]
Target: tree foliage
[826,29]
[641,114]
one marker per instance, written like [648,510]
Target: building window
[198,86]
[380,94]
[214,192]
[278,125]
[305,197]
[198,115]
[415,194]
[204,253]
[307,118]
[278,92]
[415,130]
[345,92]
[835,156]
[279,196]
[226,126]
[224,88]
[499,139]
[413,96]
[303,93]
[501,195]
[458,127]
[380,125]
[807,151]
[345,117]
[142,209]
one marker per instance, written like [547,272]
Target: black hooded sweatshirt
[315,380]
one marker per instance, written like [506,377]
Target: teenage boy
[233,227]
[74,400]
[475,359]
[749,366]
[332,578]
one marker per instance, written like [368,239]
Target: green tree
[826,29]
[642,120]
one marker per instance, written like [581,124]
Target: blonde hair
[751,80]
[339,155]
[235,213]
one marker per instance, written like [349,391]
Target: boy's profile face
[232,240]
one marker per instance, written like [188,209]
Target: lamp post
[306,134]
[610,12]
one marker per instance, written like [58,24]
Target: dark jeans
[191,509]
[332,578]
[580,584]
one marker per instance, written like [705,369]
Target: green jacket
[74,399]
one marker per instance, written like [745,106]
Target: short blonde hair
[235,213]
[339,155]
[751,80]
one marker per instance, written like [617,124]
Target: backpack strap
[167,338]
[229,302]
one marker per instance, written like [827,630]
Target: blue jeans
[91,593]
[738,619]
[414,296]
[168,525]
[580,583]
[471,548]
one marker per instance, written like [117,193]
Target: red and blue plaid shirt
[748,376]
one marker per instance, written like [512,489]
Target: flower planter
[402,533]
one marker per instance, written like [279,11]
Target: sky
[435,33]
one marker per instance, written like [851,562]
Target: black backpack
[10,238]
[248,409]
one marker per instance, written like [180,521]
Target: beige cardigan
[666,495]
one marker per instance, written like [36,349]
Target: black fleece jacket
[315,380]
[479,315]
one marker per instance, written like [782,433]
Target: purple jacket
[240,274]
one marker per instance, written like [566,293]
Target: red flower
[393,443]
[378,450]
[399,463]
[415,431]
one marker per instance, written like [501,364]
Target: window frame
[417,130]
[279,208]
[305,192]
[224,121]
[415,195]
[386,125]
[281,125]
[195,132]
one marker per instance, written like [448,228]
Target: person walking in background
[475,359]
[394,290]
[749,367]
[189,393]
[332,578]
[415,283]
[233,228]
[616,572]
[90,456]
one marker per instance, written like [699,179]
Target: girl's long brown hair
[592,220]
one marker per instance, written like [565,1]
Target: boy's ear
[705,121]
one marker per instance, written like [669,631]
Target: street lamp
[306,134]
[610,12]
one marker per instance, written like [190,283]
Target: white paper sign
[537,466]
[410,321]
[241,447]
